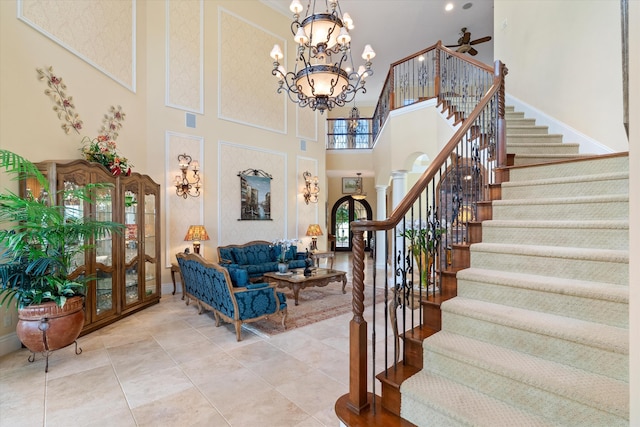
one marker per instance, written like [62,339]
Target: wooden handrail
[410,198]
[358,397]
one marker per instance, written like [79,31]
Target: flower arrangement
[101,149]
[285,245]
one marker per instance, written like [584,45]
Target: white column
[381,214]
[399,191]
[399,186]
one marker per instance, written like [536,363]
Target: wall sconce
[185,188]
[195,234]
[311,189]
[314,231]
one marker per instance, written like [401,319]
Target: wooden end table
[175,268]
[295,281]
[317,256]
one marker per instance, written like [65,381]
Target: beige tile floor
[168,366]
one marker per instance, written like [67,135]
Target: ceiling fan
[465,44]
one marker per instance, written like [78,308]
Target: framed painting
[255,195]
[350,185]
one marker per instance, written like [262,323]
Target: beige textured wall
[155,130]
[574,53]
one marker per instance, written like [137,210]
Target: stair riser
[602,238]
[563,189]
[578,168]
[558,408]
[533,139]
[583,211]
[425,415]
[568,268]
[535,148]
[510,115]
[520,122]
[536,159]
[526,130]
[585,308]
[590,359]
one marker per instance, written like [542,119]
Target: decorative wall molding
[185,55]
[180,213]
[246,89]
[306,123]
[100,32]
[307,214]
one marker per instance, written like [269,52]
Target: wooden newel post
[358,332]
[500,71]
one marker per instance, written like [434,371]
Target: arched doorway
[343,212]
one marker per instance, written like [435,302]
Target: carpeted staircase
[538,334]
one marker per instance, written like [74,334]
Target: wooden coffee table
[295,279]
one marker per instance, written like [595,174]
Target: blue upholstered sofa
[228,292]
[258,257]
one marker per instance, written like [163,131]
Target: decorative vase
[424,262]
[46,327]
[283,267]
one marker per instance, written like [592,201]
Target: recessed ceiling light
[467,6]
[448,7]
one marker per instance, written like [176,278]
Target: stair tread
[597,335]
[541,144]
[568,179]
[613,224]
[582,288]
[604,393]
[397,374]
[605,255]
[566,199]
[466,405]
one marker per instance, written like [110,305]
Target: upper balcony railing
[349,133]
[434,72]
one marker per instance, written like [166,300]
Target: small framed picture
[350,185]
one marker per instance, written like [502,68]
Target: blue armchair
[237,301]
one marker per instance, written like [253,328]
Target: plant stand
[46,327]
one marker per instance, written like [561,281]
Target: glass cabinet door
[131,244]
[103,253]
[151,261]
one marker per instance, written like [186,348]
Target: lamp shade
[196,233]
[314,230]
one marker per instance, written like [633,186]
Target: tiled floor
[168,366]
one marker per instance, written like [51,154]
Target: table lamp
[314,231]
[195,234]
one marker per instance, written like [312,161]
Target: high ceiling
[398,28]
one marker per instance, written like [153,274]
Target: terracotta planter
[47,327]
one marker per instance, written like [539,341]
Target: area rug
[314,305]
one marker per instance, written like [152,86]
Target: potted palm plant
[40,240]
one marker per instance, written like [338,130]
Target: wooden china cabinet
[125,267]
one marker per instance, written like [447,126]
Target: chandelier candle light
[317,81]
[359,194]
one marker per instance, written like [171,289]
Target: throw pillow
[240,256]
[239,276]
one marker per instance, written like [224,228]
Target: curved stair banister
[477,148]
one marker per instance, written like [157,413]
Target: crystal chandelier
[317,81]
